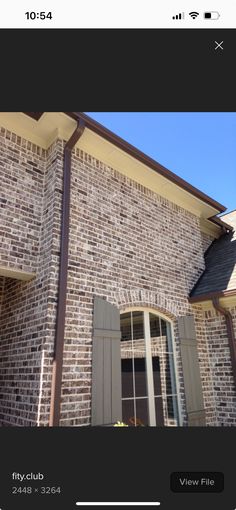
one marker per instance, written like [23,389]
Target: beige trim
[127,165]
[16,274]
[226,302]
[42,132]
[210,228]
[54,125]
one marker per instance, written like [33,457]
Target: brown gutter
[218,221]
[211,295]
[62,286]
[230,333]
[119,142]
[97,128]
[34,115]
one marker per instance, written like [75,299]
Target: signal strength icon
[179,16]
[194,14]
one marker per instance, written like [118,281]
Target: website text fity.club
[24,484]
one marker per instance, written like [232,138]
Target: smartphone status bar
[118,14]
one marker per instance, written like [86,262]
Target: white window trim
[167,319]
[149,371]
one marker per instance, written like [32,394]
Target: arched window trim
[156,312]
[147,309]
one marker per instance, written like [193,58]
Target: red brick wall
[21,324]
[22,173]
[127,244]
[207,239]
[30,231]
[132,247]
[223,396]
[206,368]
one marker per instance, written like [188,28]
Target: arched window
[149,395]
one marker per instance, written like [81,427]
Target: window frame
[147,337]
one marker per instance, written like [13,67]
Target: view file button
[196,481]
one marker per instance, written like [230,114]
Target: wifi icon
[194,14]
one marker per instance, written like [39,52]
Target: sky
[199,147]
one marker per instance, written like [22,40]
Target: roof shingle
[220,259]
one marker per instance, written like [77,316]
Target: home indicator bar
[118,503]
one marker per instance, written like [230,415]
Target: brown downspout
[230,332]
[62,285]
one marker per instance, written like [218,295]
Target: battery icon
[211,15]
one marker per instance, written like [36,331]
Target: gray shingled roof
[220,259]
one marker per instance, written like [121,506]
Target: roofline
[34,115]
[210,295]
[119,142]
[229,212]
[218,221]
[122,144]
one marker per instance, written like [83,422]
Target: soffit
[52,125]
[226,302]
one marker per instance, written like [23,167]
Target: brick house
[117,283]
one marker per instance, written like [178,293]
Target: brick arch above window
[156,302]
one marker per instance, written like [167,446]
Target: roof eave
[123,145]
[210,295]
[217,221]
[143,158]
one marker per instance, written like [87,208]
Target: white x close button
[219,45]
